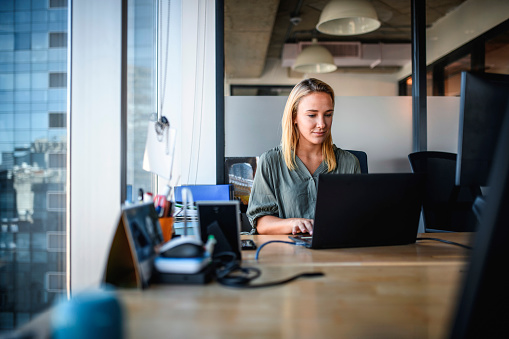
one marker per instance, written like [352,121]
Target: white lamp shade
[348,17]
[314,59]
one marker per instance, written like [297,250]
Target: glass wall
[141,90]
[487,53]
[33,147]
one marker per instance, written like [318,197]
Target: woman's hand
[301,225]
[273,225]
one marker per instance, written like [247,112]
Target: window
[57,3]
[57,80]
[32,193]
[57,160]
[57,120]
[22,41]
[142,89]
[487,53]
[56,201]
[58,39]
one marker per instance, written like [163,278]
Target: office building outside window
[33,149]
[141,91]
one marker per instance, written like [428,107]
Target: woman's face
[314,118]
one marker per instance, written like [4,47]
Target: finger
[309,226]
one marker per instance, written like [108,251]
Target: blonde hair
[290,135]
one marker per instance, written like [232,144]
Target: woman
[284,191]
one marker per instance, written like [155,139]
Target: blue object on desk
[206,192]
[96,315]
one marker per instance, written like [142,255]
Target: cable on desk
[270,242]
[447,242]
[230,273]
[270,284]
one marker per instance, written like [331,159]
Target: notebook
[357,210]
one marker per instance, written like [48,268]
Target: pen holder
[166,227]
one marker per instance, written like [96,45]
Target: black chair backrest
[363,159]
[446,207]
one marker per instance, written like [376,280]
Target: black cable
[274,283]
[230,273]
[447,242]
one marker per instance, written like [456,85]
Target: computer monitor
[483,102]
[482,308]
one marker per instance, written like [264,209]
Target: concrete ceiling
[255,30]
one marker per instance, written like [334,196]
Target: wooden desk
[380,292]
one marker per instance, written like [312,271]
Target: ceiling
[255,30]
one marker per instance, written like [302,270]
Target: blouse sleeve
[262,200]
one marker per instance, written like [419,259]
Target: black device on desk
[248,244]
[222,220]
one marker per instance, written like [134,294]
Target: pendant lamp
[314,59]
[348,17]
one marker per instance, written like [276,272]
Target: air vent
[339,49]
[355,54]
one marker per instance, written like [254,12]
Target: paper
[159,150]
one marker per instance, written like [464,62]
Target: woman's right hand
[269,224]
[301,225]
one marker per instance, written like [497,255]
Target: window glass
[6,56]
[39,80]
[452,75]
[141,88]
[39,40]
[497,54]
[22,41]
[57,120]
[39,120]
[6,42]
[39,16]
[57,3]
[21,96]
[32,161]
[57,80]
[22,5]
[6,121]
[39,56]
[22,80]
[58,39]
[21,17]
[6,81]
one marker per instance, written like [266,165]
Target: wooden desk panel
[423,252]
[382,292]
[360,302]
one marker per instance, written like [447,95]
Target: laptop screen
[355,210]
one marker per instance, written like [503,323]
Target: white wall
[380,126]
[94,129]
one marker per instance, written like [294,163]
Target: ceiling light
[314,59]
[348,17]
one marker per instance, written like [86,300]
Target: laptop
[360,210]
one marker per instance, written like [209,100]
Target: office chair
[363,159]
[446,207]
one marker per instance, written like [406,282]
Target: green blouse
[286,193]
